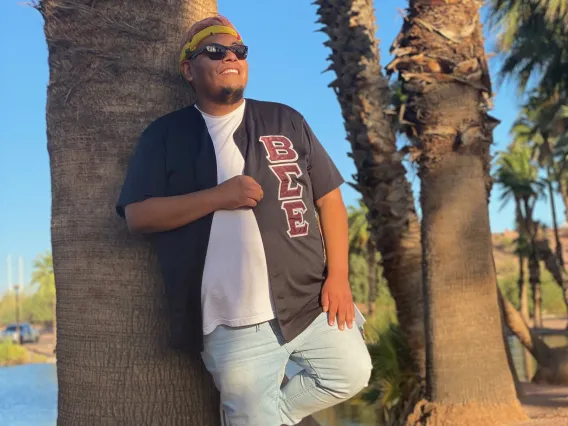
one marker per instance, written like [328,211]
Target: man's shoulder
[173,119]
[266,107]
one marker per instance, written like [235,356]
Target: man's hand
[337,301]
[239,191]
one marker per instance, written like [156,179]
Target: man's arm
[167,213]
[158,214]
[336,293]
[143,201]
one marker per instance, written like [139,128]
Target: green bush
[394,387]
[12,354]
[552,299]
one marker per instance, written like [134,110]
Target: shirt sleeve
[324,175]
[146,173]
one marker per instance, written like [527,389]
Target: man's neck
[217,109]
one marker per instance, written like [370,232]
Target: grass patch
[12,354]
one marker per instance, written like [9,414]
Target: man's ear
[187,72]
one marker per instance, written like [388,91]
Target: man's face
[222,81]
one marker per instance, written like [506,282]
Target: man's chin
[231,95]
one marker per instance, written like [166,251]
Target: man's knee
[351,377]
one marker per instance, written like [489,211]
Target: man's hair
[204,23]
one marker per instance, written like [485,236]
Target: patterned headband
[192,44]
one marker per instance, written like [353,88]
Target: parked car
[27,332]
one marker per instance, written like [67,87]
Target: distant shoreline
[41,352]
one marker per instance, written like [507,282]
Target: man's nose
[230,56]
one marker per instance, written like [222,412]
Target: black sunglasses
[216,52]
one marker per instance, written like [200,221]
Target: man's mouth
[230,71]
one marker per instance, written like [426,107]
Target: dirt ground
[45,346]
[546,405]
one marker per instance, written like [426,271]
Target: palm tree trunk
[113,70]
[534,265]
[371,276]
[461,297]
[444,74]
[534,278]
[510,360]
[521,280]
[558,248]
[530,341]
[524,304]
[522,284]
[54,321]
[525,314]
[363,95]
[563,194]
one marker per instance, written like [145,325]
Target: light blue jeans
[248,364]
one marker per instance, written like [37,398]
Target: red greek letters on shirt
[279,149]
[282,156]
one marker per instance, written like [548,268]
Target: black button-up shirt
[175,156]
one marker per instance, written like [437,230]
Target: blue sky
[286,59]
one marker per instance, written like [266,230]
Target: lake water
[28,395]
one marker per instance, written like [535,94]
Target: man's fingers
[333,306]
[251,202]
[325,301]
[341,315]
[256,194]
[350,315]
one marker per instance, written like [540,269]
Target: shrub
[12,354]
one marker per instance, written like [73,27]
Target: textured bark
[531,228]
[558,248]
[524,303]
[523,291]
[522,283]
[564,195]
[113,69]
[534,279]
[510,361]
[363,95]
[534,265]
[371,276]
[442,64]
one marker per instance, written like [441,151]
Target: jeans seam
[317,376]
[279,395]
[297,395]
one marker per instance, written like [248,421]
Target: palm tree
[364,96]
[533,41]
[360,243]
[112,71]
[529,130]
[537,127]
[43,277]
[522,250]
[543,123]
[442,66]
[519,179]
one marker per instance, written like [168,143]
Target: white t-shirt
[235,290]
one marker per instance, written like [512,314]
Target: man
[231,188]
